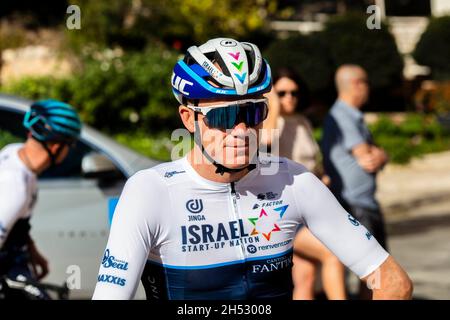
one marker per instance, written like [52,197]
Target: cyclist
[219,223]
[53,126]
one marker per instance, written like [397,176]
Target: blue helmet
[52,121]
[242,71]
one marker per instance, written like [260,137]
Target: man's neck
[208,171]
[34,160]
[350,101]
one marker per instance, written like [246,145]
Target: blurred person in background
[53,127]
[296,142]
[351,158]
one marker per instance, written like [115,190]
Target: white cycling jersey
[18,190]
[190,238]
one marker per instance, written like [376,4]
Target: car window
[11,128]
[71,166]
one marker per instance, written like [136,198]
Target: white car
[70,224]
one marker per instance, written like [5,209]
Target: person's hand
[39,264]
[373,161]
[368,163]
[381,155]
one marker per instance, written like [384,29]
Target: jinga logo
[194,205]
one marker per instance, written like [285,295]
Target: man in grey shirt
[350,157]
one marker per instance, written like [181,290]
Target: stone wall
[33,60]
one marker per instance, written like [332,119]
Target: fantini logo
[262,216]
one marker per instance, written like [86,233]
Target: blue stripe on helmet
[199,70]
[49,103]
[62,113]
[65,132]
[200,89]
[64,126]
[195,87]
[266,82]
[68,121]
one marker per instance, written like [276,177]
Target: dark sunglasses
[282,93]
[226,116]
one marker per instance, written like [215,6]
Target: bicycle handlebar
[21,284]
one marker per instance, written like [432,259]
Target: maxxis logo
[194,205]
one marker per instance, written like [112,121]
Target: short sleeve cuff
[370,263]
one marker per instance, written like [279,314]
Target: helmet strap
[52,156]
[220,169]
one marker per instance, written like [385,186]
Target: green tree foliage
[433,48]
[307,55]
[350,41]
[112,23]
[345,39]
[209,18]
[417,135]
[114,92]
[134,23]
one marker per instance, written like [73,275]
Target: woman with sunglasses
[219,222]
[296,141]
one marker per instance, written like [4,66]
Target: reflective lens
[250,113]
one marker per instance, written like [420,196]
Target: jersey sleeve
[13,199]
[351,134]
[130,239]
[342,234]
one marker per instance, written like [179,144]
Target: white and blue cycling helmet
[242,71]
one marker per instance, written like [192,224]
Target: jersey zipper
[234,197]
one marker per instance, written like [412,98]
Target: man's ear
[53,147]
[187,116]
